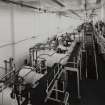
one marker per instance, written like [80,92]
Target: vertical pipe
[10,66]
[56,89]
[46,67]
[86,66]
[74,63]
[2,94]
[29,98]
[5,62]
[14,73]
[80,64]
[33,57]
[36,57]
[13,94]
[30,57]
[78,84]
[30,53]
[47,86]
[20,91]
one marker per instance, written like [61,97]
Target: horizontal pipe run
[20,41]
[19,3]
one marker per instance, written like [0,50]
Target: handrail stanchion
[1,88]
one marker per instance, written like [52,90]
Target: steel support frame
[55,87]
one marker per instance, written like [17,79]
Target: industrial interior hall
[52,52]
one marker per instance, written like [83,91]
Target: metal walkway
[91,62]
[72,76]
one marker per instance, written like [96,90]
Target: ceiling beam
[19,3]
[73,12]
[59,3]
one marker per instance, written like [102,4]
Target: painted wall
[5,34]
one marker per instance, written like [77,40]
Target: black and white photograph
[52,52]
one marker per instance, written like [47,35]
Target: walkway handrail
[8,74]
